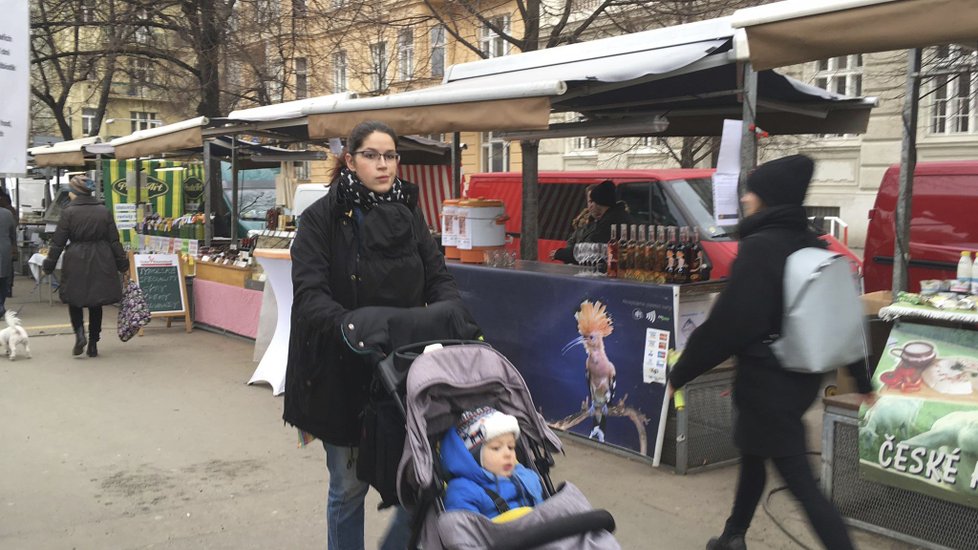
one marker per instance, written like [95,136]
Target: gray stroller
[439,385]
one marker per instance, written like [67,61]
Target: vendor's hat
[603,193]
[477,426]
[82,185]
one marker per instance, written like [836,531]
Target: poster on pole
[726,201]
[15,75]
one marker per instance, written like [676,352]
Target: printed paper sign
[656,356]
[125,216]
[15,66]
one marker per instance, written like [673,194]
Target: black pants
[94,320]
[797,473]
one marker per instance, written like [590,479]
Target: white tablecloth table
[278,273]
[36,264]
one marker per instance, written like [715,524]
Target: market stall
[548,322]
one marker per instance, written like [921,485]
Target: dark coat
[87,235]
[598,231]
[770,400]
[342,260]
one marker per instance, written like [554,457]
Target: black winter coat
[344,259]
[595,232]
[770,400]
[87,235]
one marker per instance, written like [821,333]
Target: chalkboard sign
[161,280]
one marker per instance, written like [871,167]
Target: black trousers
[94,320]
[797,474]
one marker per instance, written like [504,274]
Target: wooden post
[748,141]
[908,162]
[529,228]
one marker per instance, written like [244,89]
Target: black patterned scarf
[352,192]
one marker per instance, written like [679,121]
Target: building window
[842,75]
[88,11]
[140,75]
[301,78]
[652,142]
[954,89]
[302,170]
[299,8]
[495,153]
[584,143]
[378,57]
[143,34]
[490,42]
[438,51]
[405,54]
[142,120]
[88,122]
[339,72]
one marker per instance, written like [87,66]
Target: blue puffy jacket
[468,481]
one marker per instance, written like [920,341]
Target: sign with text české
[922,433]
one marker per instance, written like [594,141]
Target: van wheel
[831,390]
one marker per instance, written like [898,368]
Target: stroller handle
[392,370]
[556,529]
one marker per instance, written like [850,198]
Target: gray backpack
[823,327]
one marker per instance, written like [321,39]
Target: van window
[696,195]
[559,205]
[647,203]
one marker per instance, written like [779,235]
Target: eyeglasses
[374,156]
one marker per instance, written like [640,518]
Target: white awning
[289,109]
[63,153]
[172,137]
[796,31]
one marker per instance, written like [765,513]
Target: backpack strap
[501,505]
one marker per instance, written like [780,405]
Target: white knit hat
[477,426]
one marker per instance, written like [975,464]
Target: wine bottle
[613,253]
[696,262]
[659,267]
[682,256]
[671,255]
[641,269]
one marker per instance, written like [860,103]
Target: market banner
[162,190]
[15,73]
[922,433]
[592,351]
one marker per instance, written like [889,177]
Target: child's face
[499,455]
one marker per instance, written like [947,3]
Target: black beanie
[782,181]
[603,193]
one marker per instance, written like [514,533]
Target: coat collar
[775,217]
[85,200]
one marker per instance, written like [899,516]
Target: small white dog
[14,337]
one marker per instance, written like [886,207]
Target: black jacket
[342,260]
[770,400]
[598,231]
[87,235]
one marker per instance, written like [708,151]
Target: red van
[943,222]
[656,197]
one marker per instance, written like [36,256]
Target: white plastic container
[974,275]
[482,227]
[964,267]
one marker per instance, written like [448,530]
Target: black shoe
[92,349]
[725,542]
[80,342]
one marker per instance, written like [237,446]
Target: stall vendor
[594,224]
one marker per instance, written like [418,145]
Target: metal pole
[908,162]
[456,165]
[98,176]
[234,191]
[529,230]
[748,141]
[208,181]
[138,183]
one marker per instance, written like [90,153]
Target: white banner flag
[15,74]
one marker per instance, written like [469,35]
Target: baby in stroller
[479,457]
[475,388]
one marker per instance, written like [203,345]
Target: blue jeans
[344,506]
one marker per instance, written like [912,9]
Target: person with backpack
[745,320]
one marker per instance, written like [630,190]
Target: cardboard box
[875,301]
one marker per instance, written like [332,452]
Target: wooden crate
[224,274]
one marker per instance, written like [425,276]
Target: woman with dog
[89,239]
